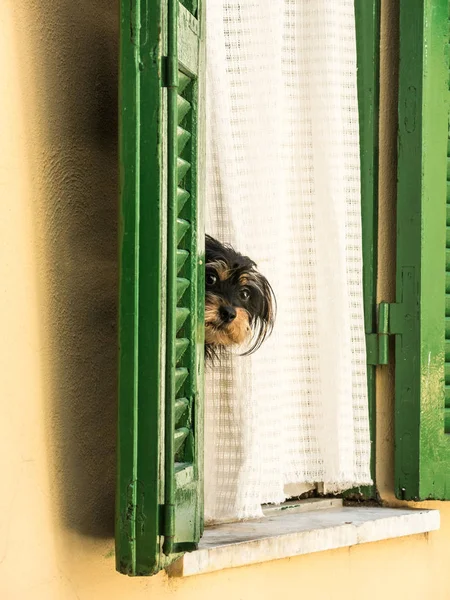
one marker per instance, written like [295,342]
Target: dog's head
[239,301]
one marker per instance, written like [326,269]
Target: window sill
[309,526]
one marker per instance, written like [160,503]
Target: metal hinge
[390,322]
[169,71]
[167,520]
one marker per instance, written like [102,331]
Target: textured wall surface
[58,273]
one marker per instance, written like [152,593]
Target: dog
[239,301]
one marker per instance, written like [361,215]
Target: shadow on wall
[69,85]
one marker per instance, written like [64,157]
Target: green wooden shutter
[421,317]
[159,509]
[367,24]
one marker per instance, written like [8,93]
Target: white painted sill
[300,528]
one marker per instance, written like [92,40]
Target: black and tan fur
[239,301]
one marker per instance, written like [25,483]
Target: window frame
[367,24]
[140,511]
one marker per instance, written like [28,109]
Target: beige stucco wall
[58,290]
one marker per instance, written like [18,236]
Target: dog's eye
[244,294]
[211,279]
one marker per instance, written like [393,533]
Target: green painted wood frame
[367,18]
[422,448]
[159,509]
[141,492]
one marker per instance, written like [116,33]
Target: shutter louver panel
[185,295]
[159,475]
[420,318]
[184,241]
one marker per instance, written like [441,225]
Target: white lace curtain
[284,187]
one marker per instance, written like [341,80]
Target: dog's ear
[264,319]
[214,250]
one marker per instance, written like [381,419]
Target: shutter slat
[183,81]
[182,256]
[447,328]
[182,227]
[181,406]
[447,374]
[181,315]
[179,437]
[181,374]
[181,345]
[191,5]
[447,350]
[183,138]
[447,420]
[182,167]
[182,198]
[183,108]
[182,286]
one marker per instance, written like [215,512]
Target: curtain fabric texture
[283,186]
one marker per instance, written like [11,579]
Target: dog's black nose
[227,313]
